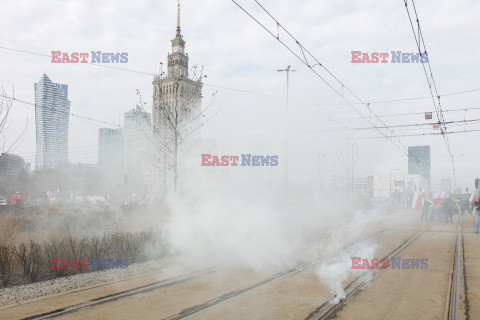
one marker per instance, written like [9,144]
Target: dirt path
[410,293]
[291,297]
[83,295]
[472,266]
[394,294]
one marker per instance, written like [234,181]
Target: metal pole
[288,131]
[353,180]
[287,70]
[390,194]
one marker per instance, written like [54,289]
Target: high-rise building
[137,142]
[11,164]
[420,162]
[52,110]
[110,151]
[176,90]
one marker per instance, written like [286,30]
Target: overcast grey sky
[237,53]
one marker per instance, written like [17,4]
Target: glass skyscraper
[110,151]
[52,110]
[420,162]
[137,142]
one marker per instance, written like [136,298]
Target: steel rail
[122,294]
[454,299]
[195,309]
[328,309]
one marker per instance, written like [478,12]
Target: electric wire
[398,145]
[419,40]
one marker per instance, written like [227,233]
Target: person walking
[476,213]
[448,207]
[426,209]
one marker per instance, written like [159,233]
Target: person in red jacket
[17,199]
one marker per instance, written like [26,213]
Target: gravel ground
[39,289]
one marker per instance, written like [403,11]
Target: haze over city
[238,54]
[242,159]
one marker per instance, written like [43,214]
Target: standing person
[448,206]
[425,209]
[17,199]
[476,213]
[463,206]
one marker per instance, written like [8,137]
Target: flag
[473,197]
[417,200]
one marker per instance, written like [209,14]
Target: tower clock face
[175,49]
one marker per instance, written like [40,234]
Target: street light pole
[353,180]
[287,70]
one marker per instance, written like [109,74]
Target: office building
[136,143]
[110,151]
[420,162]
[52,110]
[11,164]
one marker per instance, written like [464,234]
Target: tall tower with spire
[175,88]
[178,59]
[177,101]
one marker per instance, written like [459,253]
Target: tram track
[121,294]
[456,296]
[198,308]
[328,309]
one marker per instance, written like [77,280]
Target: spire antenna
[178,18]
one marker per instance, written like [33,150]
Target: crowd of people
[443,209]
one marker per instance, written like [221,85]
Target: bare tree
[177,119]
[6,103]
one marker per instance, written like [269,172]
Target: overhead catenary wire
[404,114]
[399,99]
[403,135]
[61,111]
[398,145]
[419,40]
[143,72]
[243,91]
[266,95]
[406,125]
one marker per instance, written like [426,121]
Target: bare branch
[6,103]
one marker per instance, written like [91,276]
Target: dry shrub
[9,229]
[56,247]
[96,247]
[53,209]
[6,263]
[66,247]
[30,258]
[123,245]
